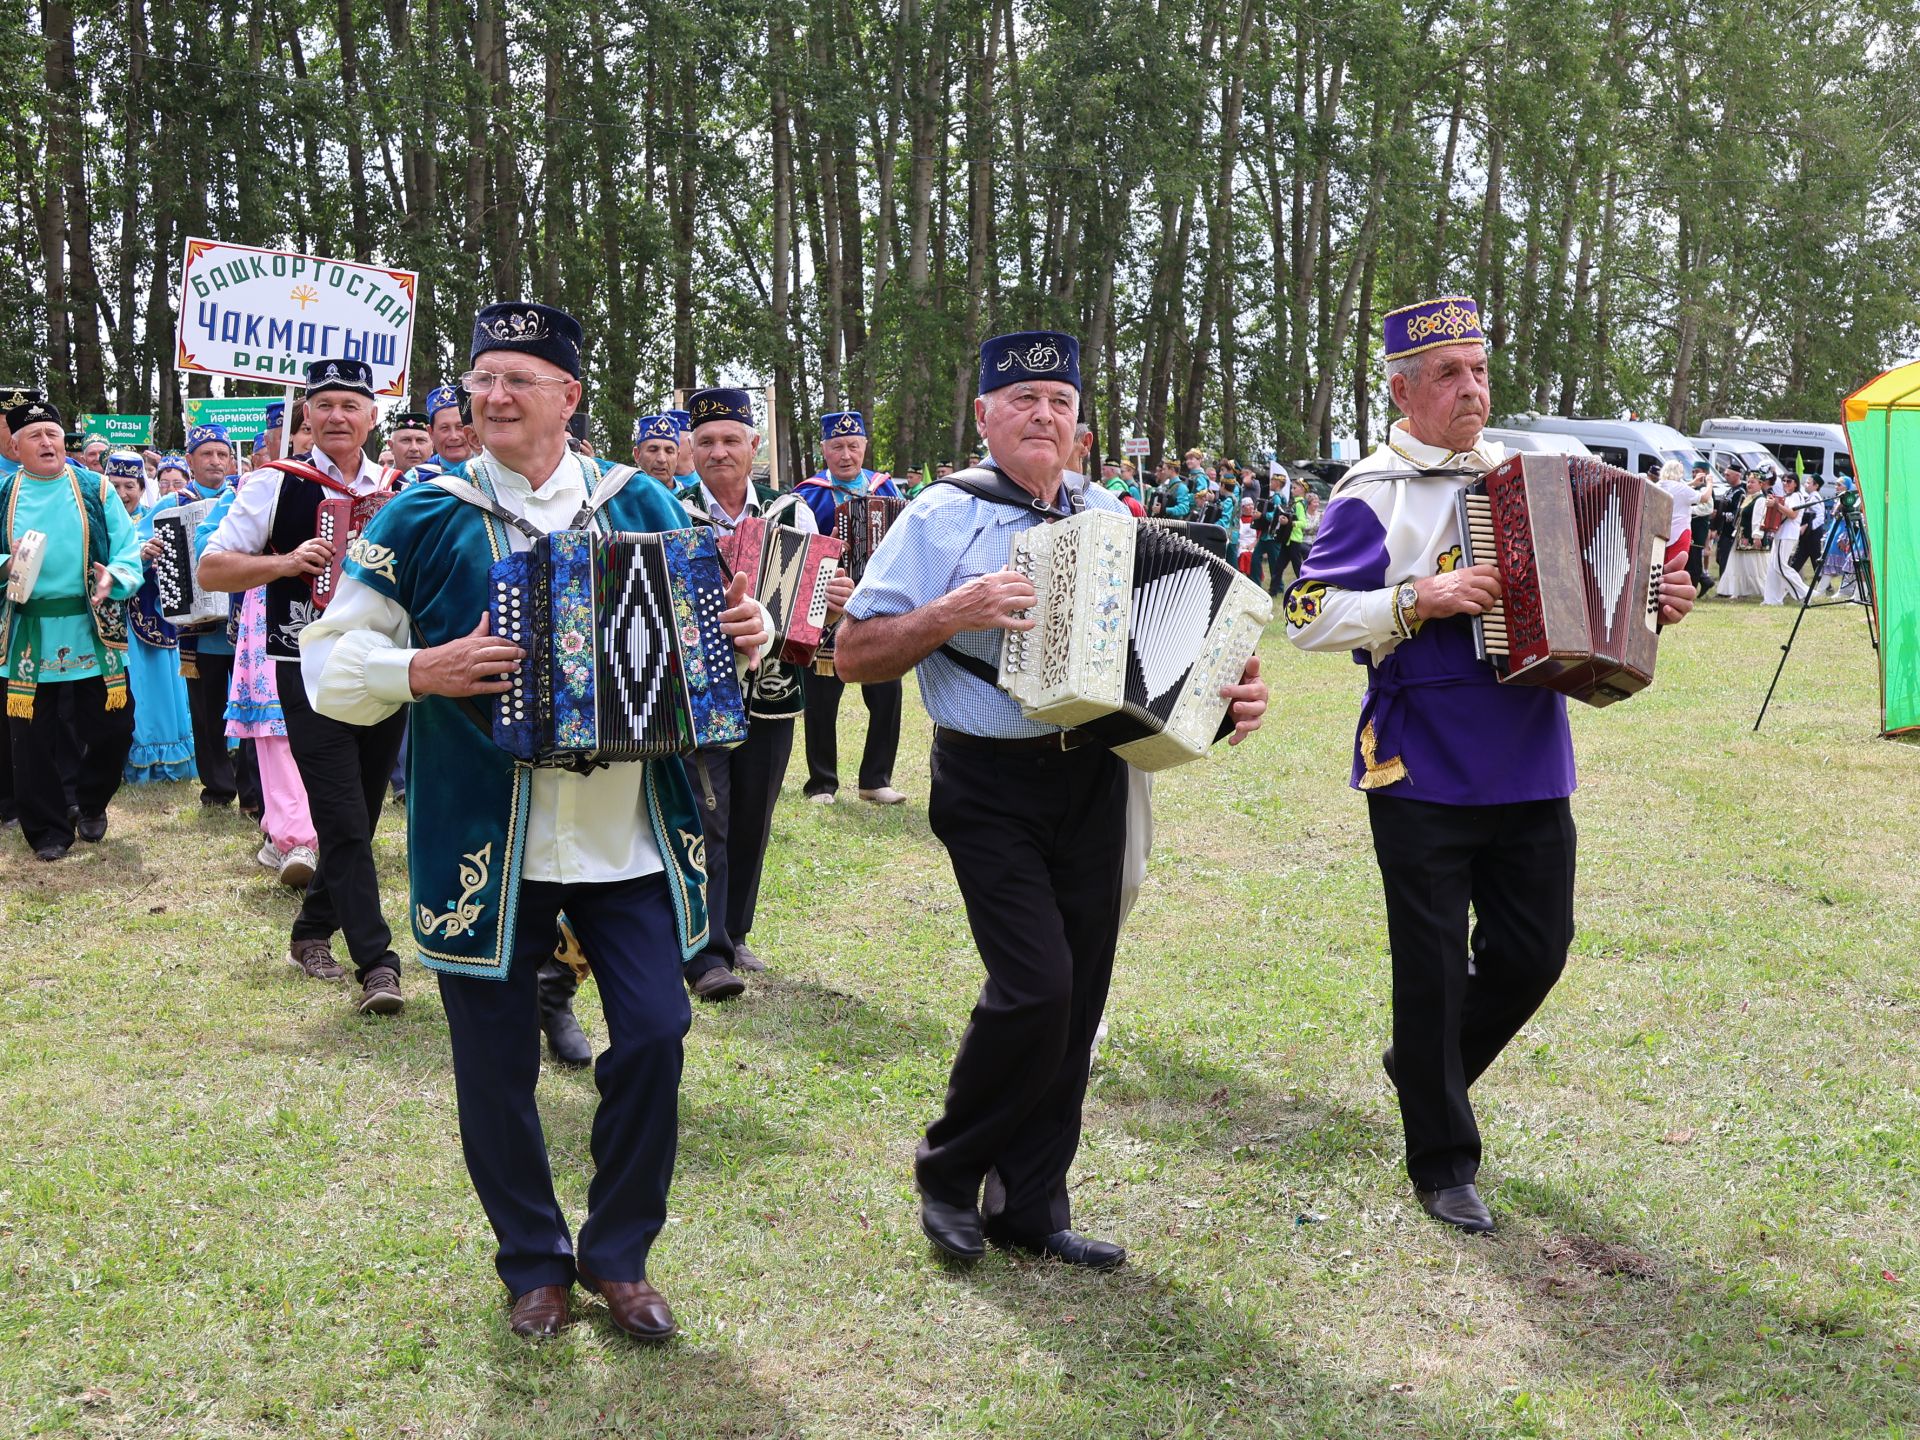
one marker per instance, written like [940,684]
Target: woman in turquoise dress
[162,725]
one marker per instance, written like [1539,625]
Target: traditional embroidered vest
[109,618]
[467,801]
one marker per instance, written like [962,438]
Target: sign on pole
[258,314]
[243,418]
[1135,445]
[119,430]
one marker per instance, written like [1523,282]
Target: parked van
[1636,445]
[1749,455]
[1816,446]
[1536,442]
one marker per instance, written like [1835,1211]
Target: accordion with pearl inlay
[1580,547]
[625,656]
[1137,628]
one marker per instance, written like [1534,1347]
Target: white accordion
[23,566]
[1137,629]
[182,602]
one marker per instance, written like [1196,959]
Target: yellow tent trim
[1898,389]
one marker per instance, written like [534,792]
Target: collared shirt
[791,511]
[249,522]
[942,540]
[582,829]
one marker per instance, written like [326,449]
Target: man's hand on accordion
[839,592]
[1470,590]
[744,621]
[1676,591]
[1249,701]
[478,663]
[989,602]
[309,557]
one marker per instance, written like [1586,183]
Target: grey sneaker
[297,868]
[315,959]
[380,993]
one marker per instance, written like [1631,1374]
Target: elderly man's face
[211,463]
[515,420]
[410,448]
[1109,470]
[723,452]
[657,457]
[1447,405]
[41,447]
[846,454]
[93,453]
[1030,424]
[449,435]
[341,420]
[942,469]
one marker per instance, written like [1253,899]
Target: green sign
[243,418]
[119,430]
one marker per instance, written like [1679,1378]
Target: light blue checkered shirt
[943,539]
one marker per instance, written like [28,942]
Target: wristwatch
[1406,601]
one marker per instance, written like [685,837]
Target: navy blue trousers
[628,929]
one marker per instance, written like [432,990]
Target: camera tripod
[1846,522]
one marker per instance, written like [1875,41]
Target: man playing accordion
[1467,780]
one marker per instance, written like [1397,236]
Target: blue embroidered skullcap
[721,404]
[354,375]
[211,434]
[259,439]
[682,420]
[172,461]
[655,427]
[276,414]
[125,462]
[1449,320]
[442,397]
[842,422]
[528,328]
[1029,355]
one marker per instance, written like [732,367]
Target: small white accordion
[182,602]
[1138,628]
[23,566]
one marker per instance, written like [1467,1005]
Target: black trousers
[1723,547]
[100,737]
[1811,546]
[1036,840]
[1457,1001]
[628,929]
[1697,553]
[823,718]
[207,707]
[746,784]
[344,769]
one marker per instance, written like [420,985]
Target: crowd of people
[1769,537]
[337,651]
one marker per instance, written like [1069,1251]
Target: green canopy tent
[1883,431]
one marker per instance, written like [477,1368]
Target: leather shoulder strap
[300,469]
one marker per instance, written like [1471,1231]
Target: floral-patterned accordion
[1137,629]
[625,657]
[861,523]
[340,519]
[1580,547]
[182,602]
[790,570]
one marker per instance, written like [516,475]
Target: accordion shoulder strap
[990,482]
[972,664]
[462,490]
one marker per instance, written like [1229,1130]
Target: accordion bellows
[625,657]
[790,569]
[1137,629]
[860,524]
[1580,547]
[182,602]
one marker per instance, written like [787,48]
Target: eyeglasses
[518,382]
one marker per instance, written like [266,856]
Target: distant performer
[1467,780]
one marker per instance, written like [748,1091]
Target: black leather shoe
[953,1229]
[92,828]
[1459,1206]
[566,1041]
[1070,1247]
[51,852]
[1386,1064]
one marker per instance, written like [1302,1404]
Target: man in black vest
[268,538]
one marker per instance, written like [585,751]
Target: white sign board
[263,314]
[1135,445]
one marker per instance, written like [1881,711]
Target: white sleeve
[249,520]
[1342,619]
[354,659]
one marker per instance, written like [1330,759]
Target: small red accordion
[1580,547]
[860,524]
[789,571]
[340,520]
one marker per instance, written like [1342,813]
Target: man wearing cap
[1467,780]
[93,453]
[1033,820]
[843,442]
[71,631]
[656,450]
[685,470]
[269,538]
[745,780]
[447,424]
[410,435]
[497,850]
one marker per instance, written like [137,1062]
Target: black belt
[1034,744]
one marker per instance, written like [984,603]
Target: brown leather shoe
[636,1306]
[541,1312]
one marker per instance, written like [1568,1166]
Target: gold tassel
[570,952]
[20,705]
[189,669]
[1379,773]
[116,697]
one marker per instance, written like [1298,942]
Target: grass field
[230,1207]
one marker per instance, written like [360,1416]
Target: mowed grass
[228,1207]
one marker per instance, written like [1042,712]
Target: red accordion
[341,518]
[860,524]
[789,570]
[1580,547]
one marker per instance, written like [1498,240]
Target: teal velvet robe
[467,799]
